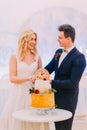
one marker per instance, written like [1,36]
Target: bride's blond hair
[22,43]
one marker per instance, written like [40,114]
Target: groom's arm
[77,70]
[50,67]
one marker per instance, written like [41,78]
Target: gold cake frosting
[45,100]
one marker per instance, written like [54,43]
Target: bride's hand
[33,79]
[30,79]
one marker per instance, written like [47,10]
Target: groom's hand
[50,81]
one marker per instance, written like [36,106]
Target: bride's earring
[32,51]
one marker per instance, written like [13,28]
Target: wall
[13,13]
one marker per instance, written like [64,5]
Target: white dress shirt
[64,54]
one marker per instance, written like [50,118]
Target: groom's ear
[69,40]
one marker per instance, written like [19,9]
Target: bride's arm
[13,72]
[39,62]
[39,66]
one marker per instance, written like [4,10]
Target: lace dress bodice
[25,70]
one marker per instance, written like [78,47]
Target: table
[34,115]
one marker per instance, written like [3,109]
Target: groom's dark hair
[68,30]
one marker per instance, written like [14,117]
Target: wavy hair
[22,44]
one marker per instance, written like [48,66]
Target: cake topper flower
[42,74]
[44,79]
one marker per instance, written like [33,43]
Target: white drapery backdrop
[45,23]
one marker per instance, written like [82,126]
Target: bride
[22,67]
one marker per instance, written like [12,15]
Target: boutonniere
[57,54]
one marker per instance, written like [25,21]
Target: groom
[68,64]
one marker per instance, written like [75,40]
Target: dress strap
[37,58]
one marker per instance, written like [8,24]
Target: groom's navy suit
[66,82]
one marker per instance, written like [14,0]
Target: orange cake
[45,100]
[42,95]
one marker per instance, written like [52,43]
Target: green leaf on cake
[52,90]
[31,90]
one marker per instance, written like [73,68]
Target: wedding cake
[42,95]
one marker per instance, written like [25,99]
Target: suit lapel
[58,52]
[68,58]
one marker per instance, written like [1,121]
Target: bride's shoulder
[38,57]
[14,56]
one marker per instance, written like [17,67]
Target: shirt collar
[69,49]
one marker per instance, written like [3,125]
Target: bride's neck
[30,52]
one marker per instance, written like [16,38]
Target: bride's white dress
[19,98]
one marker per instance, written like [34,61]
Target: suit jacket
[67,77]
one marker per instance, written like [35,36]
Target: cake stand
[42,111]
